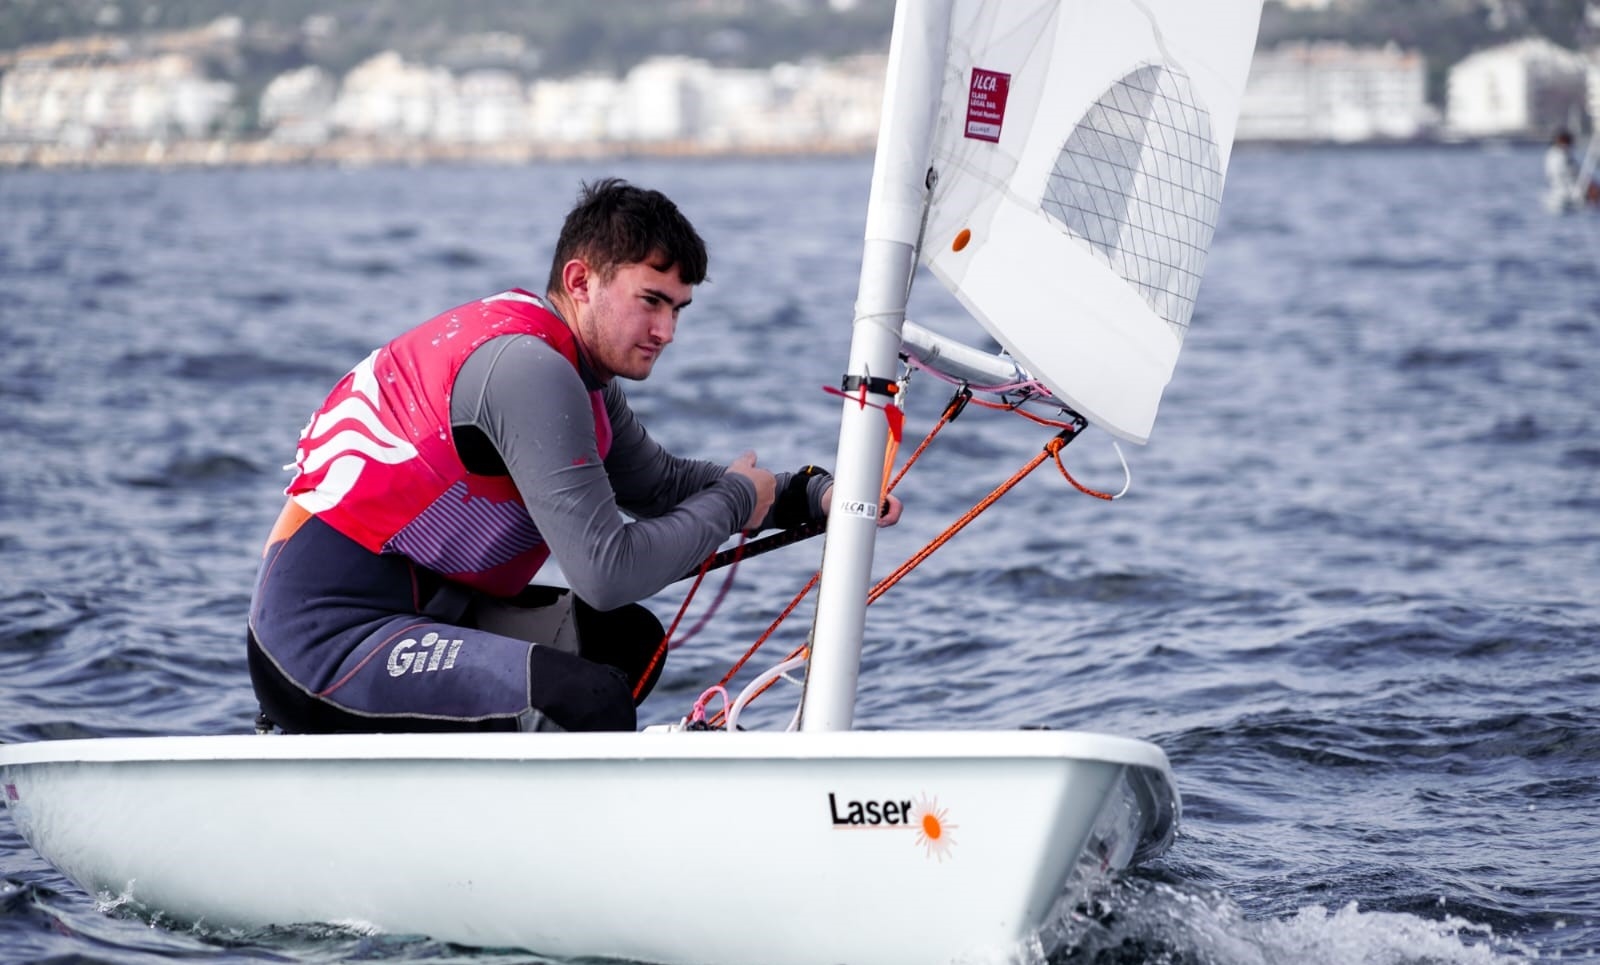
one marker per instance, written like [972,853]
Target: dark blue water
[1355,592]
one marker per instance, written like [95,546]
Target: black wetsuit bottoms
[342,639]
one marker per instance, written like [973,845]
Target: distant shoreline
[377,153]
[389,153]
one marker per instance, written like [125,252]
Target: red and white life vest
[378,464]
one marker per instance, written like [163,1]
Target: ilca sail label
[986,104]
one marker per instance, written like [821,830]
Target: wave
[1142,922]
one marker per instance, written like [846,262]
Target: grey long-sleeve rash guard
[534,410]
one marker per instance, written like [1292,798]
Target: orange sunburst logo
[934,827]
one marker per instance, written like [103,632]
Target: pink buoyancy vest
[378,464]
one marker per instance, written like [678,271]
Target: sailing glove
[799,498]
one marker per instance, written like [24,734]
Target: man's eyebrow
[668,298]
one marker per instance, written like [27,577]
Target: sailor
[1563,192]
[448,466]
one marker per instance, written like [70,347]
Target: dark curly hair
[615,223]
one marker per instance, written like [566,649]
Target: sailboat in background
[1058,166]
[1584,191]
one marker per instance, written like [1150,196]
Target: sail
[1078,163]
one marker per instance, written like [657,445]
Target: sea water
[1354,591]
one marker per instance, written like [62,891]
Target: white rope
[1127,474]
[749,693]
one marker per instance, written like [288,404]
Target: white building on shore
[490,107]
[95,99]
[664,99]
[1332,92]
[683,101]
[384,97]
[671,103]
[297,106]
[575,111]
[1521,89]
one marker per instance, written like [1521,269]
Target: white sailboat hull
[663,847]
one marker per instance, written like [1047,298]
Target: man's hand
[888,513]
[766,487]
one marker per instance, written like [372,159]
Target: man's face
[625,322]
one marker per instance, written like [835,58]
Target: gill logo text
[431,653]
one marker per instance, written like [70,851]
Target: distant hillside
[560,37]
[563,37]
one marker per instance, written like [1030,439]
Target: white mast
[894,218]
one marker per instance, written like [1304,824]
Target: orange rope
[1051,449]
[1054,447]
[770,629]
[1080,487]
[950,412]
[960,524]
[665,644]
[1041,420]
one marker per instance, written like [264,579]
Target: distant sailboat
[1571,186]
[1057,165]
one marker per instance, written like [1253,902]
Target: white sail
[1079,159]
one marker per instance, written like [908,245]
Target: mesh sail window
[1139,181]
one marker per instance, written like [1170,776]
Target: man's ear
[575,279]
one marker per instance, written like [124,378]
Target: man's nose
[664,327]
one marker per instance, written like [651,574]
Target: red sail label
[986,104]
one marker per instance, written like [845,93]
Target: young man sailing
[444,470]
